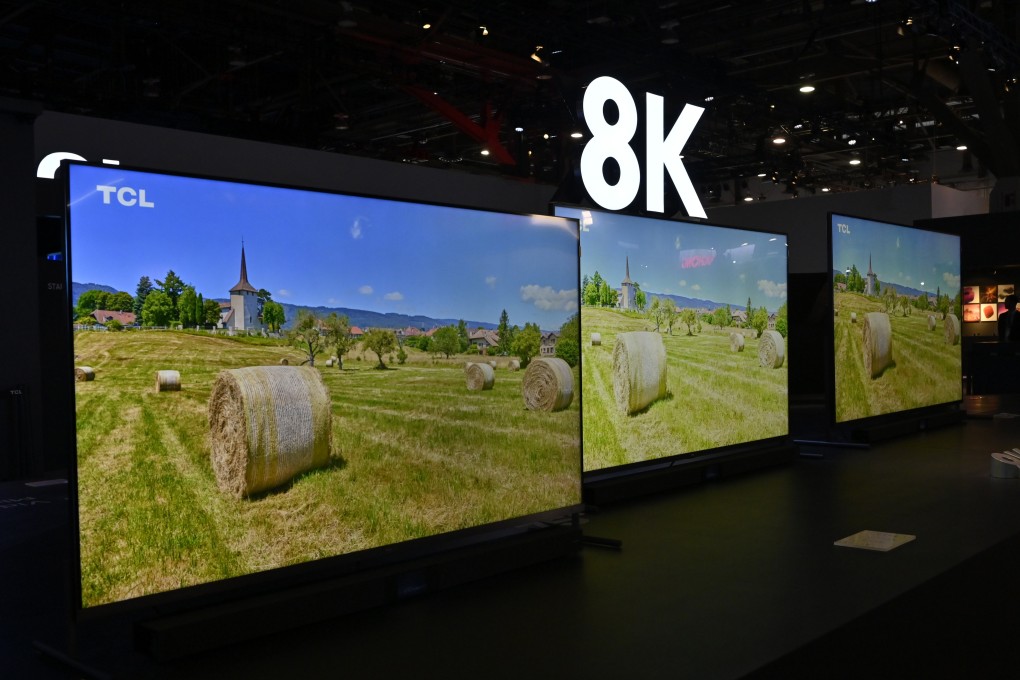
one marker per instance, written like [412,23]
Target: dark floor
[729,578]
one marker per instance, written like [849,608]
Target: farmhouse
[483,339]
[105,316]
[242,313]
[548,346]
[357,332]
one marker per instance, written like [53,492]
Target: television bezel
[891,416]
[690,458]
[282,577]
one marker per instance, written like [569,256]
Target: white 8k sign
[613,141]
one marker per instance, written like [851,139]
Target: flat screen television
[683,338]
[896,318]
[270,378]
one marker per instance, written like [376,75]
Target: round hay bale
[548,384]
[479,377]
[853,317]
[596,339]
[329,363]
[492,363]
[284,362]
[168,381]
[877,343]
[771,349]
[267,424]
[951,324]
[736,342]
[515,365]
[639,370]
[84,373]
[931,322]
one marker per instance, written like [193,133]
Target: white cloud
[365,290]
[627,245]
[696,287]
[356,228]
[545,298]
[332,301]
[283,292]
[952,280]
[676,243]
[490,281]
[393,296]
[742,277]
[772,289]
[682,283]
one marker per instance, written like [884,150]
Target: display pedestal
[906,424]
[190,632]
[616,487]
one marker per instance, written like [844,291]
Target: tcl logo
[126,196]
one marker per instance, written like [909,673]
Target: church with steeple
[627,289]
[870,280]
[243,312]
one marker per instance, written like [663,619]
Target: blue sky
[920,259]
[719,264]
[312,248]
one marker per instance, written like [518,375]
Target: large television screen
[896,317]
[270,376]
[683,337]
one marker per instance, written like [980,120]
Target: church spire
[626,279]
[242,284]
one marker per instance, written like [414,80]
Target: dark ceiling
[895,80]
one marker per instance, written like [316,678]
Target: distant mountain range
[900,289]
[358,317]
[693,303]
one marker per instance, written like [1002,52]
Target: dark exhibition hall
[565,339]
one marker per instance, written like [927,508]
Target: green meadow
[414,454]
[715,397]
[925,370]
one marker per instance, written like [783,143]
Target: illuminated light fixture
[576,135]
[518,129]
[748,198]
[545,136]
[485,30]
[962,147]
[779,139]
[807,88]
[709,98]
[825,190]
[855,161]
[485,152]
[851,141]
[426,26]
[761,174]
[536,56]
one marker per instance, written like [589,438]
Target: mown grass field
[715,397]
[925,369]
[414,454]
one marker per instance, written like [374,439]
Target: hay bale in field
[168,381]
[284,362]
[84,373]
[329,363]
[952,329]
[267,424]
[931,322]
[877,343]
[639,370]
[479,377]
[492,363]
[514,365]
[596,339]
[736,342]
[771,349]
[853,317]
[548,384]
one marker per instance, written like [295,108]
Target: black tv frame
[177,621]
[869,429]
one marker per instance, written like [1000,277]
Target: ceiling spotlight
[962,147]
[545,136]
[485,152]
[576,135]
[807,88]
[484,29]
[761,174]
[518,129]
[779,139]
[825,190]
[851,141]
[855,161]
[536,55]
[748,198]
